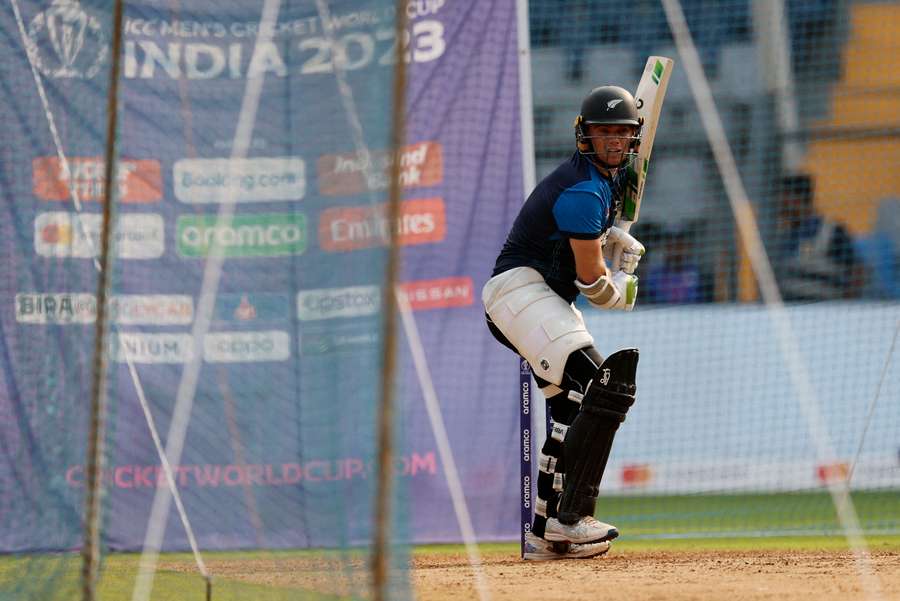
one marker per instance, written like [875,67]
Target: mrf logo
[64,41]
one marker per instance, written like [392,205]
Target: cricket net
[244,342]
[778,134]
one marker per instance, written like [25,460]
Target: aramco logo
[65,41]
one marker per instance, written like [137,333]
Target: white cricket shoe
[585,530]
[538,549]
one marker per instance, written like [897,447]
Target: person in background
[678,279]
[814,258]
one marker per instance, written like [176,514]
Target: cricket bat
[649,98]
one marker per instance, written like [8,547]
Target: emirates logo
[65,41]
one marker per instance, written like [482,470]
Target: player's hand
[627,285]
[616,291]
[624,250]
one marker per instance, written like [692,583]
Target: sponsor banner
[141,347]
[421,165]
[62,234]
[60,308]
[636,475]
[154,309]
[351,228]
[752,475]
[317,470]
[262,235]
[344,341]
[440,293]
[239,180]
[329,303]
[140,180]
[832,472]
[252,307]
[247,347]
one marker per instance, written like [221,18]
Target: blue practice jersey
[575,201]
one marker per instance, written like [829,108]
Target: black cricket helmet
[606,105]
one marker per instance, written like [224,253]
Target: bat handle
[616,262]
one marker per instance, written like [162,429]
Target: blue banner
[279,449]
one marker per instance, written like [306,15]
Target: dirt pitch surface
[670,576]
[676,575]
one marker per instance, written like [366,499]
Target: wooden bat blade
[649,98]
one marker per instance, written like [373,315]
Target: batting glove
[622,250]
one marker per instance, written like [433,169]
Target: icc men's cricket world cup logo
[65,41]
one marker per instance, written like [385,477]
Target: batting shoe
[538,549]
[585,530]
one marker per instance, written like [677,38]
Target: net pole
[381,552]
[97,428]
[530,438]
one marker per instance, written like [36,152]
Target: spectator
[880,251]
[814,257]
[678,278]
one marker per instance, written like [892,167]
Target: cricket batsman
[558,248]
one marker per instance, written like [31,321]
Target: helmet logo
[612,103]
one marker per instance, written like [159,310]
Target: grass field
[665,535]
[736,515]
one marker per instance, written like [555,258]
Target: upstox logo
[263,235]
[328,303]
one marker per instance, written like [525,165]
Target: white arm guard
[622,250]
[618,292]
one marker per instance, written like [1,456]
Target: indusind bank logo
[261,235]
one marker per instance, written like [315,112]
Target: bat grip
[616,262]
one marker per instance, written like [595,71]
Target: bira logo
[56,308]
[65,41]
